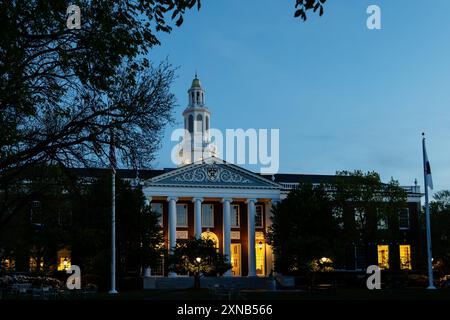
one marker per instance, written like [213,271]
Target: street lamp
[198,259]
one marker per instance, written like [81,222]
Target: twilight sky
[343,96]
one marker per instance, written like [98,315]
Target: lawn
[340,294]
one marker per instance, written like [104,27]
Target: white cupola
[197,143]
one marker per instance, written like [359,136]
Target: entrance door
[236,259]
[260,257]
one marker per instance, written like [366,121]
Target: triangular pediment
[212,172]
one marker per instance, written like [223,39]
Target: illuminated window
[405,257]
[383,256]
[236,259]
[8,264]
[207,215]
[260,252]
[64,259]
[208,235]
[259,216]
[235,215]
[33,263]
[158,208]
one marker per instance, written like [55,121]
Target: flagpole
[113,218]
[427,218]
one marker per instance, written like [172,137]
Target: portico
[222,199]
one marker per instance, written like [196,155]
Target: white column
[227,231]
[197,217]
[251,237]
[172,226]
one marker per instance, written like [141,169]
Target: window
[403,218]
[360,257]
[405,257]
[259,216]
[207,123]
[338,215]
[36,212]
[235,215]
[191,123]
[182,215]
[381,220]
[34,262]
[8,264]
[208,235]
[383,256]
[199,123]
[64,258]
[207,215]
[158,208]
[360,218]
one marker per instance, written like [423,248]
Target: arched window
[207,122]
[208,235]
[192,97]
[199,123]
[191,123]
[198,97]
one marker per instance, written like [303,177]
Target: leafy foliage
[318,221]
[303,228]
[198,256]
[440,230]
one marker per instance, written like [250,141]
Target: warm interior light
[198,259]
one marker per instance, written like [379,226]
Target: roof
[295,178]
[121,173]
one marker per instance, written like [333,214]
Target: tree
[320,221]
[365,202]
[440,230]
[303,229]
[199,257]
[63,90]
[38,229]
[139,234]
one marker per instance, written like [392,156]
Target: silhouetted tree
[198,256]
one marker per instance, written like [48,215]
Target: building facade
[205,197]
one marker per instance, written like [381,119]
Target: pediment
[215,173]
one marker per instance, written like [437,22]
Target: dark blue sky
[343,96]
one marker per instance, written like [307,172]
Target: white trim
[208,192]
[270,184]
